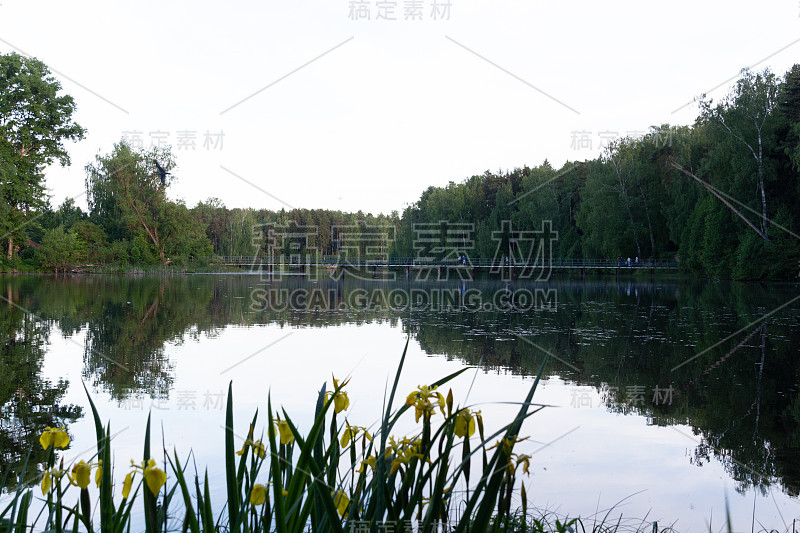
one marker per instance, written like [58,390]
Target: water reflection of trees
[28,402]
[739,398]
[624,339]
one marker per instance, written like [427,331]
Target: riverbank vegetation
[451,473]
[719,195]
[333,476]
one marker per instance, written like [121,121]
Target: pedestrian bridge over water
[491,264]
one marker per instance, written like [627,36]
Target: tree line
[718,195]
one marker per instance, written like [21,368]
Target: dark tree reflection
[28,402]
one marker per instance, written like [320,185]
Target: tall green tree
[215,217]
[35,121]
[612,215]
[123,188]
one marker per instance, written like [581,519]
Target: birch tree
[744,115]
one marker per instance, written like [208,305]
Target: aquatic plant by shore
[336,477]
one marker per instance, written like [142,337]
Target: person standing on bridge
[629,261]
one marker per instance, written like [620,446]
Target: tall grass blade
[277,483]
[190,520]
[380,470]
[230,463]
[103,436]
[150,510]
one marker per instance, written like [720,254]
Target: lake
[663,398]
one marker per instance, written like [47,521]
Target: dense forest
[719,196]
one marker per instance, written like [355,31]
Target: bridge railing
[333,261]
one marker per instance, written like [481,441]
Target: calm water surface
[664,398]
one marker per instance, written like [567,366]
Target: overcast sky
[311,104]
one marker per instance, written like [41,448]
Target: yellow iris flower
[81,474]
[508,444]
[342,502]
[258,448]
[465,424]
[421,400]
[285,432]
[53,474]
[258,495]
[525,461]
[403,451]
[340,400]
[404,459]
[57,437]
[514,459]
[351,432]
[154,477]
[369,461]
